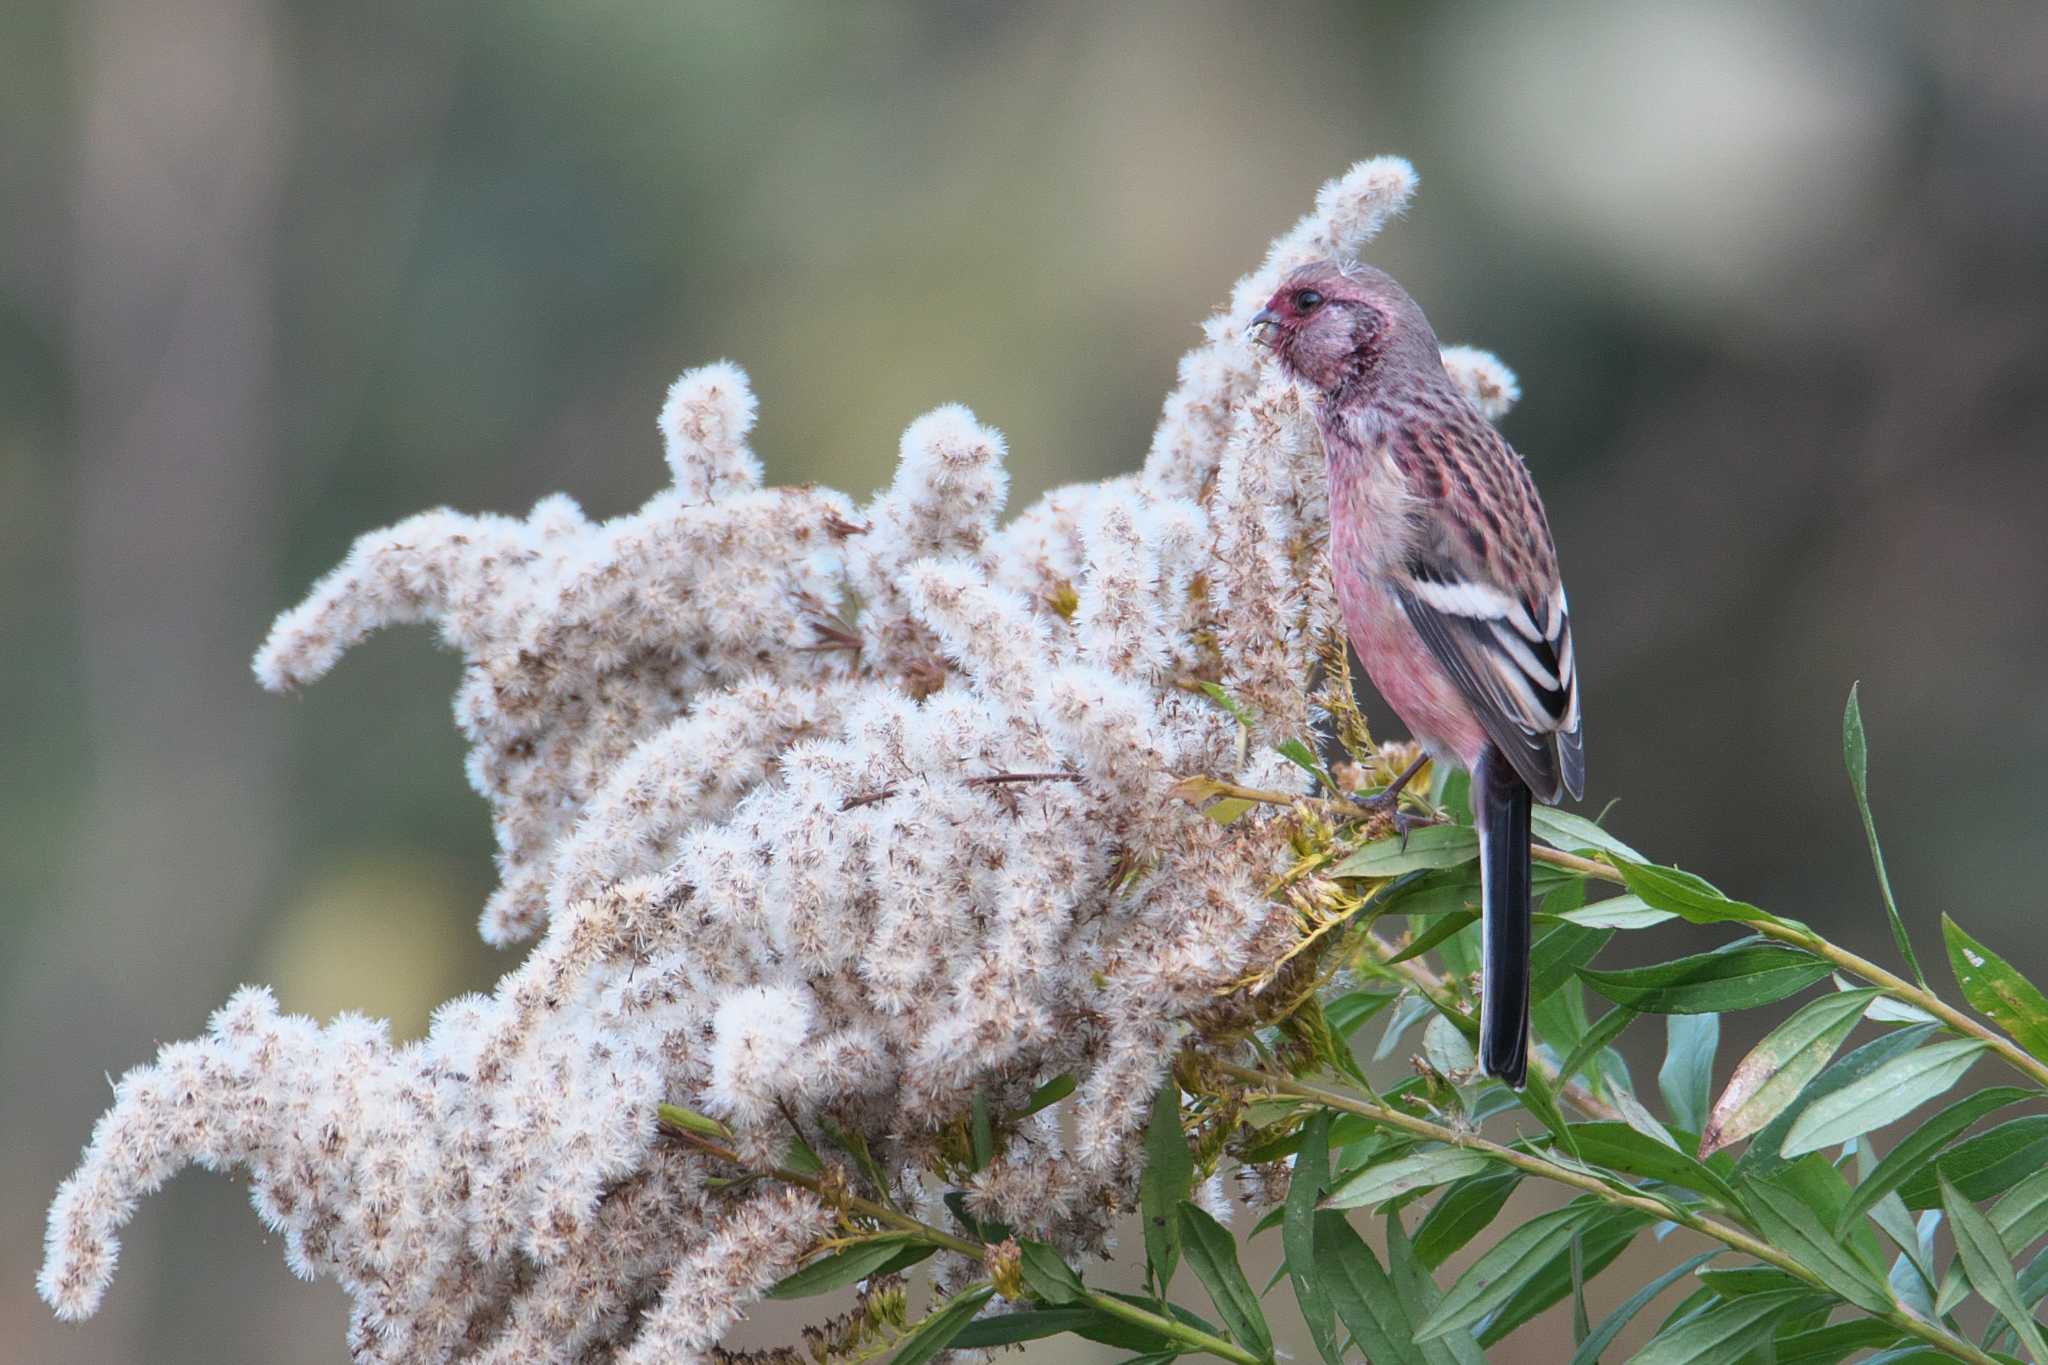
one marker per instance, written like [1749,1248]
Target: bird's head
[1342,329]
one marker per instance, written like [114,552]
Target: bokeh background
[277,272]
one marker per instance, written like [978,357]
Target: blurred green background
[273,274]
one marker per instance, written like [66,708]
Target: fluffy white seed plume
[1490,385]
[817,813]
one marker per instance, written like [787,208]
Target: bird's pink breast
[1364,515]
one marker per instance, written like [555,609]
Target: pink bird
[1447,576]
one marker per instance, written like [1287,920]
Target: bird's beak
[1262,323]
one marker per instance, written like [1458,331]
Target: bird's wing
[1480,585]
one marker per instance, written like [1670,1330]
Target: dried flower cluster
[821,811]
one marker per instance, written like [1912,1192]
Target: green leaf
[1419,1296]
[1212,1252]
[1723,1334]
[1052,1092]
[1739,976]
[1990,1163]
[1686,1079]
[1836,1342]
[1363,1296]
[2020,1217]
[799,1156]
[1403,1175]
[1169,1175]
[1353,1008]
[1446,927]
[1298,1235]
[1228,811]
[1032,1324]
[1779,1067]
[1761,1156]
[1575,833]
[1788,1224]
[1856,758]
[1919,1147]
[1984,1262]
[1735,1281]
[1683,894]
[842,1267]
[1884,1096]
[1604,1236]
[1214,692]
[936,1331]
[1604,1030]
[1617,912]
[1997,991]
[1463,1213]
[1610,1327]
[1619,1147]
[1493,1279]
[1302,757]
[693,1121]
[1047,1274]
[1429,847]
[1558,955]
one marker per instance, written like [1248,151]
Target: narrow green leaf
[1686,1079]
[1723,1334]
[1885,1096]
[1740,976]
[1364,1298]
[2020,1217]
[1419,1296]
[1619,1147]
[1600,1239]
[1996,990]
[1733,1282]
[1576,834]
[1228,811]
[1052,1092]
[1761,1156]
[1214,692]
[1353,1008]
[1683,894]
[1302,757]
[1856,758]
[1169,1175]
[1559,954]
[842,1267]
[1444,928]
[1990,1163]
[799,1156]
[1462,1213]
[1493,1279]
[1298,1236]
[1610,1327]
[1212,1252]
[1984,1261]
[1618,912]
[1446,1048]
[1604,1030]
[692,1120]
[1788,1224]
[1411,1009]
[1919,1147]
[1835,1342]
[936,1331]
[1403,1175]
[1033,1324]
[1047,1274]
[1429,847]
[1778,1068]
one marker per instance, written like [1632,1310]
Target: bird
[1446,575]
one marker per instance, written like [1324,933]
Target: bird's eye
[1307,300]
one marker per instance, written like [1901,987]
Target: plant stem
[1530,1163]
[1171,1328]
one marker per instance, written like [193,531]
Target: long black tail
[1500,805]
